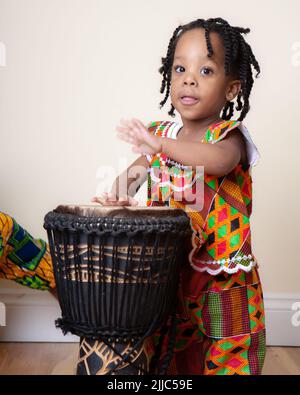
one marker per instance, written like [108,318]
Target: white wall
[75,67]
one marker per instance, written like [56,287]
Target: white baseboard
[282,319]
[30,317]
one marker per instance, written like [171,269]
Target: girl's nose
[190,80]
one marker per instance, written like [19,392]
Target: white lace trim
[187,174]
[225,268]
[228,260]
[176,164]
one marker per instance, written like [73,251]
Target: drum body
[116,269]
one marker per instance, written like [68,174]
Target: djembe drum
[117,273]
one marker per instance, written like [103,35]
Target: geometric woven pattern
[240,355]
[222,311]
[22,258]
[255,308]
[228,356]
[26,251]
[221,329]
[221,237]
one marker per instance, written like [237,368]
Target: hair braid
[246,78]
[208,42]
[228,51]
[166,67]
[228,110]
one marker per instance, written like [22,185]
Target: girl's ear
[233,89]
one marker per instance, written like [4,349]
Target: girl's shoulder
[220,130]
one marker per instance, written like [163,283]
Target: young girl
[220,315]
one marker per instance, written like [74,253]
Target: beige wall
[75,67]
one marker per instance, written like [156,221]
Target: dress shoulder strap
[220,130]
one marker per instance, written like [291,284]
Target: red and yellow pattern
[221,237]
[221,330]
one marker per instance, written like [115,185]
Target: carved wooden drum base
[98,358]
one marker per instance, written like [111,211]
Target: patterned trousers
[22,258]
[220,325]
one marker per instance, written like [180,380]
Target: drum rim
[64,221]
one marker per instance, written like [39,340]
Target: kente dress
[220,314]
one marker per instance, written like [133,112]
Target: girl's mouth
[188,101]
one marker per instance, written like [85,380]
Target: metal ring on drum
[117,273]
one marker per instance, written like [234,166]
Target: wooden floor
[60,358]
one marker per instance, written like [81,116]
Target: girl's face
[199,86]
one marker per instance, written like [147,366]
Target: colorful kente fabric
[221,239]
[22,258]
[220,325]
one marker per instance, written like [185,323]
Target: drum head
[119,212]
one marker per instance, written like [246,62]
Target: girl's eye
[206,71]
[178,67]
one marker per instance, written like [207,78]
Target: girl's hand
[135,133]
[108,199]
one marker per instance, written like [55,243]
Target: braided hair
[239,60]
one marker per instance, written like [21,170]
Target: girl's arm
[129,182]
[126,185]
[217,159]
